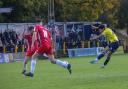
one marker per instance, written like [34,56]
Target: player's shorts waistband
[115,41]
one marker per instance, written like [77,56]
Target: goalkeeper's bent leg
[107,60]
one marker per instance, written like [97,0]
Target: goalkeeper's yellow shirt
[110,35]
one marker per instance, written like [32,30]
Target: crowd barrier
[84,44]
[84,51]
[12,49]
[11,57]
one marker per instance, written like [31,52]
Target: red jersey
[29,40]
[44,35]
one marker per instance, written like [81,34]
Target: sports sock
[106,61]
[62,63]
[25,64]
[33,65]
[100,56]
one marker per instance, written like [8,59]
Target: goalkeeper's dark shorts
[114,46]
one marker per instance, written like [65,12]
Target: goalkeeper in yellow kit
[110,48]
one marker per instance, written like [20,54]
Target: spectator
[2,38]
[7,37]
[1,47]
[14,37]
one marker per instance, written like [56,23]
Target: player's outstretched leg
[97,59]
[64,64]
[69,68]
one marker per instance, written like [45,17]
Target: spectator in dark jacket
[2,39]
[14,37]
[7,37]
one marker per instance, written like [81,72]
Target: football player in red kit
[45,47]
[30,51]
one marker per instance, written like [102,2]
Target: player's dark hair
[96,24]
[30,28]
[102,26]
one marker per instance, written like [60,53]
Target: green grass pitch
[84,75]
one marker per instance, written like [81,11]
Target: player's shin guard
[107,60]
[33,65]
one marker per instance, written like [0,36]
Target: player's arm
[24,33]
[96,37]
[26,42]
[34,37]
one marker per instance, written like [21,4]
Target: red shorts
[45,49]
[31,51]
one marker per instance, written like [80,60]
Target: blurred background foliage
[112,12]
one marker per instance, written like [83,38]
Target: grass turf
[84,76]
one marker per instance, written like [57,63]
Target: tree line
[112,12]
